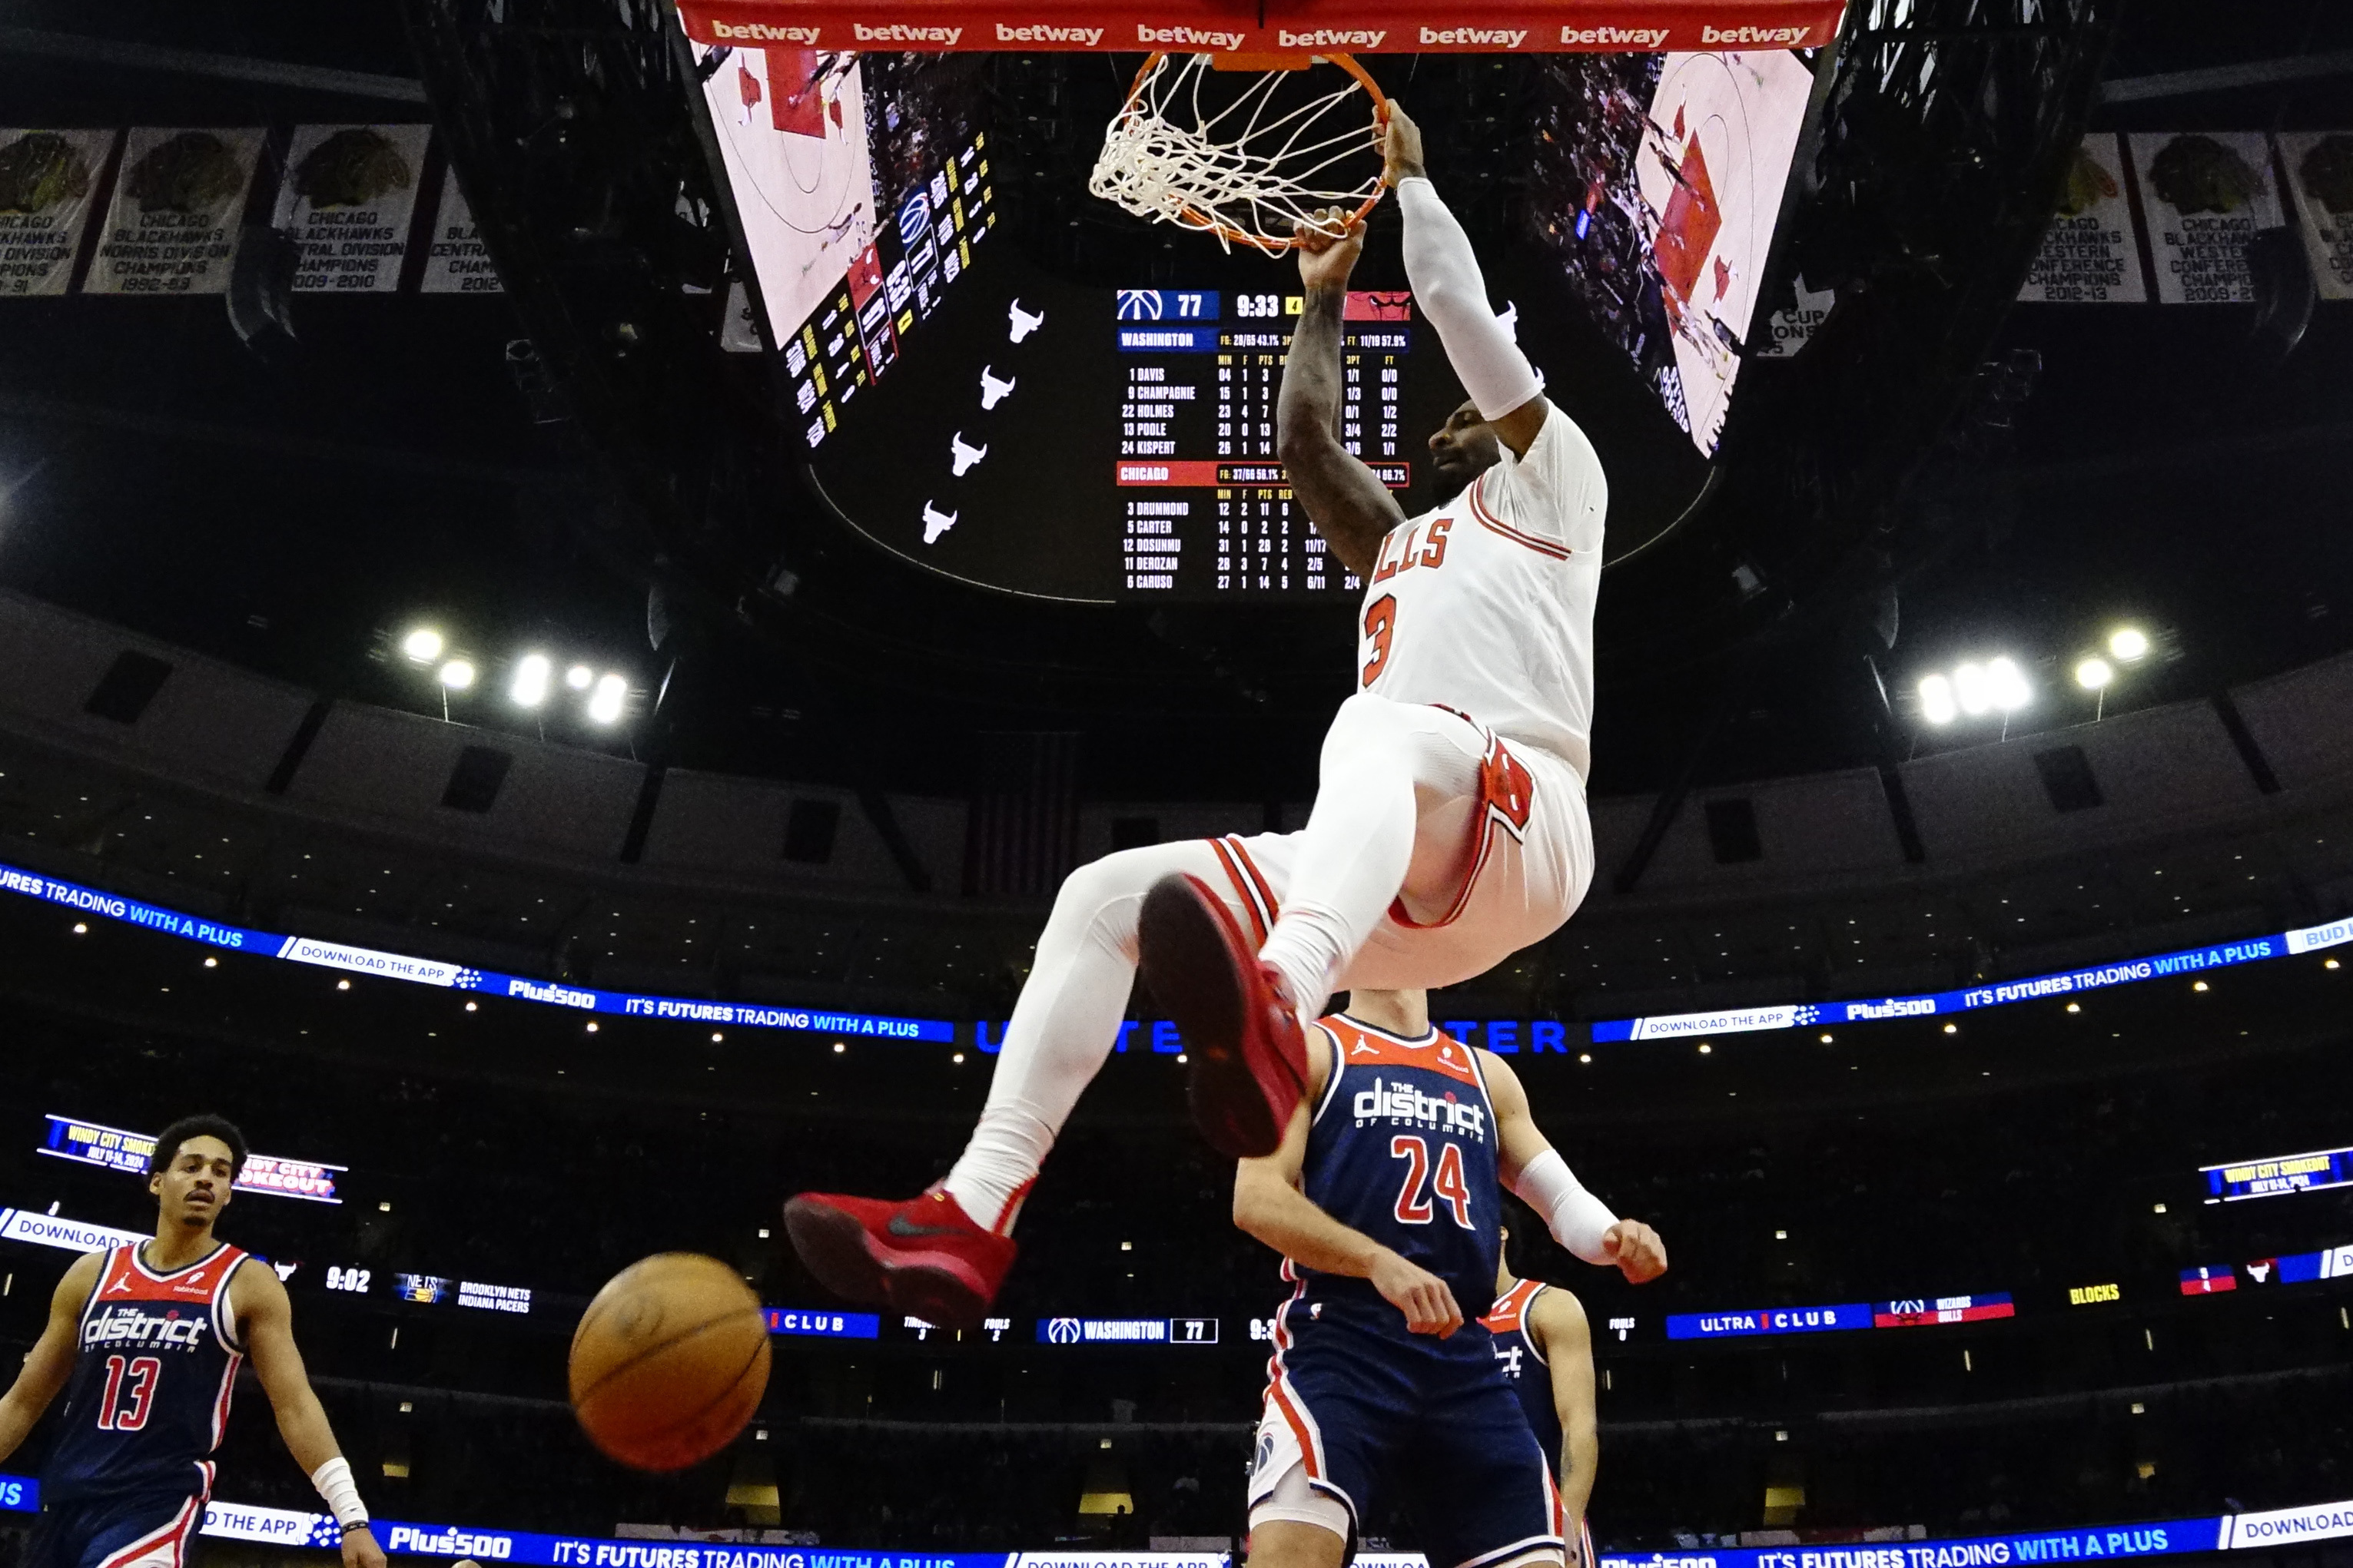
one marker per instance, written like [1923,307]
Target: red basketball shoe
[1247,1054]
[924,1257]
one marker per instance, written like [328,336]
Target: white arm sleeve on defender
[334,1482]
[1576,1217]
[1446,281]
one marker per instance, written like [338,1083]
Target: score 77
[1413,1205]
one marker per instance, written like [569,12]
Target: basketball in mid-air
[669,1361]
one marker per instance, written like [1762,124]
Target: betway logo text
[1190,37]
[901,33]
[1782,36]
[761,33]
[1616,37]
[1085,37]
[1477,38]
[1328,38]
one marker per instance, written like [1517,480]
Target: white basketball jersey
[1485,604]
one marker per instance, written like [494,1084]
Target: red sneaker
[1246,1055]
[924,1257]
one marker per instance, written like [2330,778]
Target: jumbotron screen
[973,412]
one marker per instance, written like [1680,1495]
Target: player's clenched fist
[1427,1305]
[1326,258]
[1636,1249]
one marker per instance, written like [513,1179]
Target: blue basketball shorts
[1349,1409]
[134,1529]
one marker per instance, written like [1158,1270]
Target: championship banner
[1287,26]
[48,182]
[2320,180]
[171,226]
[2204,194]
[2091,252]
[92,1143]
[457,261]
[349,200]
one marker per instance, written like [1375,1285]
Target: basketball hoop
[1245,163]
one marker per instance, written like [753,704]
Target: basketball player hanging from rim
[1448,829]
[145,1339]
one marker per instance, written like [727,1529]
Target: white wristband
[334,1482]
[1577,1219]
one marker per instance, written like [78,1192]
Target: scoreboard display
[1119,443]
[2316,1170]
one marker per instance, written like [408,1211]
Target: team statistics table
[1203,499]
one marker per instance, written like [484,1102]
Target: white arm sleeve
[334,1482]
[1446,281]
[1576,1217]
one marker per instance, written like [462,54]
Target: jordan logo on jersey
[123,1324]
[1404,1103]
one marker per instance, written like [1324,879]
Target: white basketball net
[1246,165]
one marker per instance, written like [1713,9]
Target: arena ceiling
[285,507]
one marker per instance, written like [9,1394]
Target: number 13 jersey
[149,1395]
[1485,604]
[1402,1148]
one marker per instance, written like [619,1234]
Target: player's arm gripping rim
[1634,1248]
[1558,1323]
[267,1320]
[50,1362]
[1269,1206]
[1344,499]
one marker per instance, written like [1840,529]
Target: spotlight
[2094,674]
[2005,685]
[2129,643]
[605,702]
[423,646]
[532,673]
[579,677]
[1936,704]
[1974,688]
[458,675]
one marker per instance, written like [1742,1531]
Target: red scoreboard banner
[1278,27]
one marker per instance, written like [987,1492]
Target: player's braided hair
[206,1125]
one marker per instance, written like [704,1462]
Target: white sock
[1380,759]
[1064,1025]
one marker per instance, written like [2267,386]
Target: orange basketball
[669,1361]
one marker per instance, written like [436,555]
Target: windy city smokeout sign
[349,199]
[2091,253]
[171,226]
[2205,194]
[48,183]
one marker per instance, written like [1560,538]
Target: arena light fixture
[458,675]
[1937,703]
[1973,689]
[605,702]
[2129,643]
[534,674]
[2094,674]
[2005,685]
[423,645]
[579,678]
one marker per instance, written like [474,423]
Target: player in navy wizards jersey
[1544,1346]
[145,1341]
[1384,1199]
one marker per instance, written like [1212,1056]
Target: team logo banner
[349,200]
[2091,252]
[49,185]
[2319,166]
[172,227]
[2205,194]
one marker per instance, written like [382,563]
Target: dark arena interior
[530,682]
